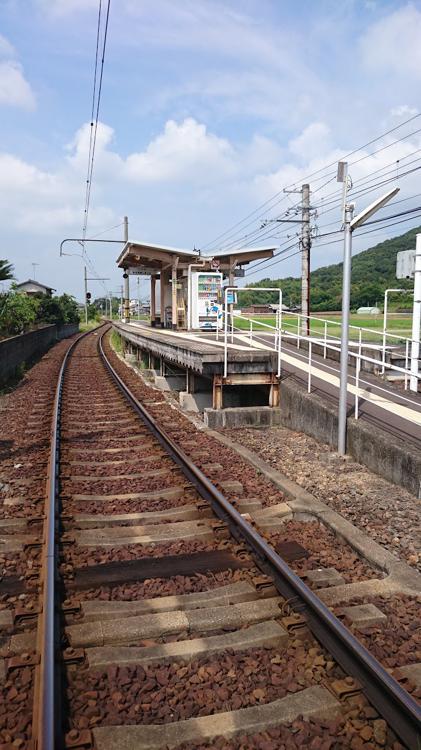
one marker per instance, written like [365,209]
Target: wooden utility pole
[126,311]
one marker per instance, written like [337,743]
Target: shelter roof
[147,258]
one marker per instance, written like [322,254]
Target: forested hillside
[373,271]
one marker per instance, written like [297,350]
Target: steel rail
[394,703]
[45,724]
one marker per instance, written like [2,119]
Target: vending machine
[206,300]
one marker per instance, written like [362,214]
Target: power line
[94,124]
[230,230]
[280,258]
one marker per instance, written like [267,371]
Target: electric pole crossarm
[81,240]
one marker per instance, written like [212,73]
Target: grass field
[399,326]
[83,327]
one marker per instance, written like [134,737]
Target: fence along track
[399,709]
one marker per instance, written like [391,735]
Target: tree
[6,270]
[50,310]
[70,309]
[17,312]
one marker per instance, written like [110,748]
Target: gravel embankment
[386,512]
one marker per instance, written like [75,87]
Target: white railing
[235,290]
[281,331]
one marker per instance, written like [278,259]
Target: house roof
[37,283]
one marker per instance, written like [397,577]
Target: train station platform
[380,403]
[201,356]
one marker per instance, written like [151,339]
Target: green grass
[400,326]
[83,327]
[116,342]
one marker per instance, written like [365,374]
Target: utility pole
[126,311]
[305,259]
[416,318]
[33,269]
[85,277]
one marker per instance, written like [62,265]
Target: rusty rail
[46,734]
[394,703]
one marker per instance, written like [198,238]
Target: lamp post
[349,225]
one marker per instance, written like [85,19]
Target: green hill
[373,271]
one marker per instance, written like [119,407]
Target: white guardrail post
[298,329]
[357,375]
[325,342]
[406,364]
[309,366]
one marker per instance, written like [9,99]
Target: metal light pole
[346,296]
[349,225]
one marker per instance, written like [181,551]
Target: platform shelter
[175,271]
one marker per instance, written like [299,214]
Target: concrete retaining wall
[306,412]
[376,449]
[22,350]
[242,416]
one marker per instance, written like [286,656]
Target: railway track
[159,609]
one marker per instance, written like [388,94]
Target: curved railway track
[127,511]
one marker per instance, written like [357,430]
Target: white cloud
[106,161]
[15,90]
[392,45]
[6,49]
[403,112]
[183,151]
[313,141]
[61,8]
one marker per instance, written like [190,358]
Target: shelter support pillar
[163,279]
[174,294]
[231,280]
[153,300]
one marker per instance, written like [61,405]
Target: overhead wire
[95,109]
[318,171]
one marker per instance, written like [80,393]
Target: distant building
[31,287]
[368,311]
[258,310]
[268,309]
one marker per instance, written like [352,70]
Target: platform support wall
[274,398]
[217,400]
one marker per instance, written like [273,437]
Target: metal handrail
[328,344]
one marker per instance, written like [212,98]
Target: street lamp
[350,224]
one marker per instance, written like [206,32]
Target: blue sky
[208,109]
